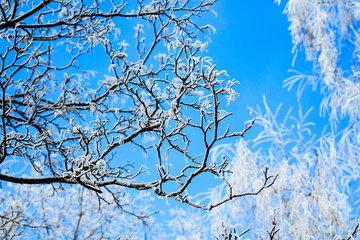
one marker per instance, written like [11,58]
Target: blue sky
[253,44]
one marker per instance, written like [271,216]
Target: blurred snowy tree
[313,197]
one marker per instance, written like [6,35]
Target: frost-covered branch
[155,93]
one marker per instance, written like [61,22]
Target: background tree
[316,193]
[41,212]
[62,123]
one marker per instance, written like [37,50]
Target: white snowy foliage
[310,197]
[327,29]
[186,224]
[73,213]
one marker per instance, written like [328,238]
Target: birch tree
[316,193]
